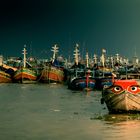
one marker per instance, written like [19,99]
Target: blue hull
[102,82]
[81,83]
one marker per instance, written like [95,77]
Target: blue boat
[81,79]
[103,79]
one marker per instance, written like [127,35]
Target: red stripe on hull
[56,76]
[24,76]
[4,79]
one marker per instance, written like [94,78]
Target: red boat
[51,74]
[122,96]
[52,71]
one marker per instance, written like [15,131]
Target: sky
[94,24]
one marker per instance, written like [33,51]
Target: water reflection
[115,118]
[121,126]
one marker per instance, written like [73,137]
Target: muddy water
[53,112]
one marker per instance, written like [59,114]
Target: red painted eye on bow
[117,89]
[134,89]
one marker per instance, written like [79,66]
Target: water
[52,112]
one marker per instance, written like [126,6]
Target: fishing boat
[52,74]
[103,75]
[103,78]
[6,72]
[128,72]
[81,77]
[123,96]
[25,73]
[52,71]
[82,80]
[5,77]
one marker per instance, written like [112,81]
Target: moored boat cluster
[81,74]
[117,78]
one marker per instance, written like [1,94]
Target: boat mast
[112,61]
[1,60]
[95,59]
[103,57]
[117,58]
[55,51]
[24,56]
[87,60]
[76,54]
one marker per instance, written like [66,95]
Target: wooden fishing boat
[130,74]
[5,77]
[52,71]
[25,73]
[6,72]
[123,96]
[81,77]
[103,79]
[103,74]
[51,74]
[82,80]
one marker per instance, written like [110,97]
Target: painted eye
[133,88]
[117,89]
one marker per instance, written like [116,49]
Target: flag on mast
[103,51]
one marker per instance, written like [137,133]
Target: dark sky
[94,24]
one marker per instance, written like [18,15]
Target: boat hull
[81,84]
[52,74]
[5,77]
[25,75]
[125,100]
[103,82]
